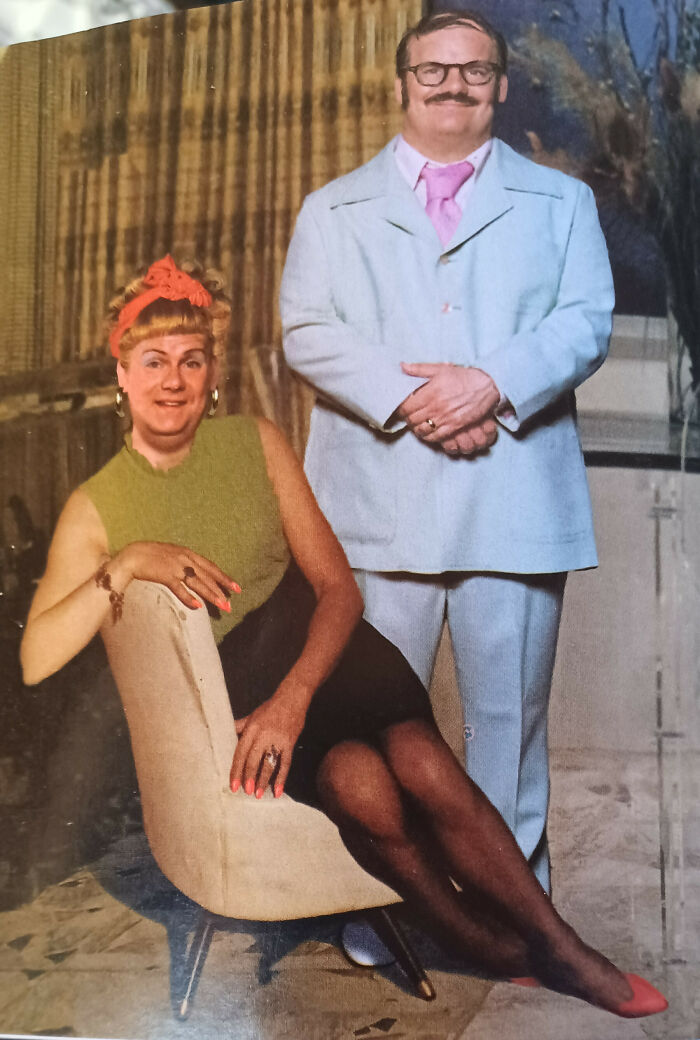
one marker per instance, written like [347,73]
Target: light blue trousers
[504,630]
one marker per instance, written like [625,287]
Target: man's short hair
[431,23]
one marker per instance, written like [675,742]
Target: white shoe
[362,945]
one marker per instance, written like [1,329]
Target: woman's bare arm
[320,557]
[71,604]
[68,606]
[338,609]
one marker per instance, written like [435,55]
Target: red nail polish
[235,587]
[235,784]
[279,788]
[259,793]
[222,604]
[196,604]
[249,786]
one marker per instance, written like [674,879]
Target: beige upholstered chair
[236,856]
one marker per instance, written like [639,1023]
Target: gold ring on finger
[431,424]
[272,757]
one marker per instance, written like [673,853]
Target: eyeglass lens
[433,73]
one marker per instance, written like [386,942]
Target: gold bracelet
[103,580]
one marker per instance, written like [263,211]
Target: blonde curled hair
[164,317]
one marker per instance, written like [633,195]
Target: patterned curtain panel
[197,133]
[27,174]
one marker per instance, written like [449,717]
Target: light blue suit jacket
[523,291]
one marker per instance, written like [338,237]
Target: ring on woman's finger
[272,757]
[189,572]
[431,424]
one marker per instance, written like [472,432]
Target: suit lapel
[381,185]
[403,210]
[400,207]
[489,201]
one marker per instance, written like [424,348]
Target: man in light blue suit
[443,446]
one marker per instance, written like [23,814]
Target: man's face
[452,111]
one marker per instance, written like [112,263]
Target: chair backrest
[266,859]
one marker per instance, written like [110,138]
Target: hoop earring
[214,401]
[119,399]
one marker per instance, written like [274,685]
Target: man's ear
[502,88]
[398,91]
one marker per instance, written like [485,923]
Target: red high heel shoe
[645,999]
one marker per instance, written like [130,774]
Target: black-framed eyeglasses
[474,73]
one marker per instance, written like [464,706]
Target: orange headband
[167,282]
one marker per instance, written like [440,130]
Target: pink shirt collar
[410,161]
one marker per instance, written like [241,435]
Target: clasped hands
[454,410]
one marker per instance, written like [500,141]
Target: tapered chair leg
[388,928]
[199,948]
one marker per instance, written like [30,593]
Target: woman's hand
[273,728]
[83,585]
[181,570]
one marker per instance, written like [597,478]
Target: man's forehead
[469,27]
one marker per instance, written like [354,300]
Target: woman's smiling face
[168,380]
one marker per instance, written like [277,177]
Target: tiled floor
[89,956]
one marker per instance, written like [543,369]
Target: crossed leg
[411,817]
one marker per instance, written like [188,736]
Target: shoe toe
[645,999]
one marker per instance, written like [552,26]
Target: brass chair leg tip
[425,989]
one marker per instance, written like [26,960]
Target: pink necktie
[442,184]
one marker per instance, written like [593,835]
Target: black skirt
[371,687]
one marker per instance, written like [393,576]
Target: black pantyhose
[411,817]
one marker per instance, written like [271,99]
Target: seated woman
[327,710]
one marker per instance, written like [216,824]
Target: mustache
[462,99]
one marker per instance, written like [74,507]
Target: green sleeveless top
[219,501]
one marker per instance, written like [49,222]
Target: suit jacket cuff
[497,368]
